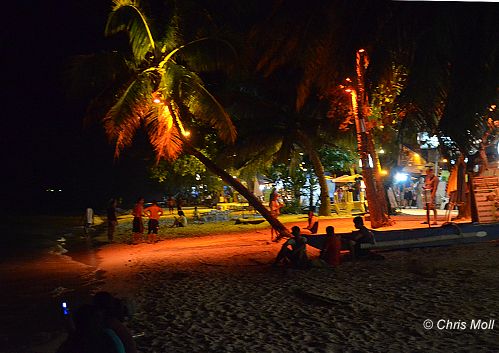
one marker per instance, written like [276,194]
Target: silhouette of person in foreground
[90,334]
[114,316]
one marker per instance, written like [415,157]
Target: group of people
[98,327]
[294,250]
[153,212]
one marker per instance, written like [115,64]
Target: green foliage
[338,158]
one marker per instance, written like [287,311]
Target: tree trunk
[375,192]
[252,200]
[325,207]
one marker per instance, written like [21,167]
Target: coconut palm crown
[161,93]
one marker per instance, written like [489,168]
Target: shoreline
[35,281]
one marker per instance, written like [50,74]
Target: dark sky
[42,137]
[42,141]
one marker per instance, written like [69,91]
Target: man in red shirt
[154,212]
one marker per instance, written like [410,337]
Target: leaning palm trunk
[252,200]
[325,207]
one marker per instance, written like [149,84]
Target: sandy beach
[218,293]
[202,298]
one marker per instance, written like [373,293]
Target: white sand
[219,294]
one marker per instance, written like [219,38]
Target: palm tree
[453,44]
[272,129]
[158,92]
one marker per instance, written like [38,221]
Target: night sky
[43,137]
[44,143]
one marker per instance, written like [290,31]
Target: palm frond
[209,54]
[186,88]
[163,133]
[124,117]
[127,16]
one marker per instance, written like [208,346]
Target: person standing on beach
[137,224]
[430,190]
[171,204]
[275,210]
[154,212]
[88,220]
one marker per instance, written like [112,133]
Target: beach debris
[56,292]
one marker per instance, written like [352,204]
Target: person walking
[154,212]
[112,219]
[137,224]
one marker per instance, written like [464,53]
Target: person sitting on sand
[114,315]
[313,223]
[331,251]
[358,237]
[180,221]
[294,250]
